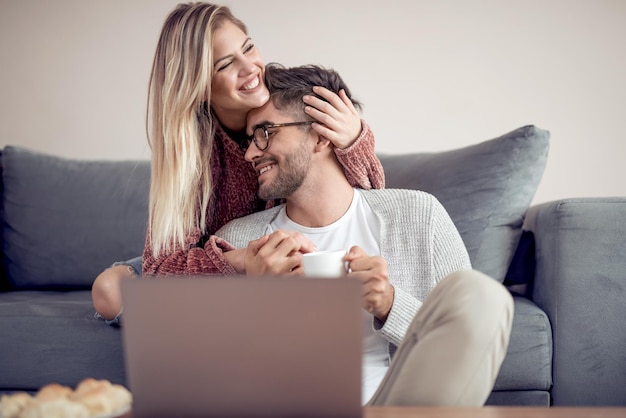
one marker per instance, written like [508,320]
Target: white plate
[112,415]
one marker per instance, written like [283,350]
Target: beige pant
[453,350]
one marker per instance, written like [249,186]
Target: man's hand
[377,290]
[279,253]
[236,258]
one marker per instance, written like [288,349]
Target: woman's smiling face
[237,85]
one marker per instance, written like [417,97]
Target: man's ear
[322,144]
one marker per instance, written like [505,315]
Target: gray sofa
[66,220]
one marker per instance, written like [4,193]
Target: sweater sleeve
[235,187]
[208,259]
[360,163]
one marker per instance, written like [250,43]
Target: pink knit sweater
[235,195]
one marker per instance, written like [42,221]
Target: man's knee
[479,294]
[477,284]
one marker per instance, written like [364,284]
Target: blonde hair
[179,123]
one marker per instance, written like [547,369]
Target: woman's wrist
[236,258]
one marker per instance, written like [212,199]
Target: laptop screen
[234,346]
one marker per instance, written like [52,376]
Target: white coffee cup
[325,264]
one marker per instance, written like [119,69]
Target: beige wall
[433,75]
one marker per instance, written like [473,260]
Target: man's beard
[292,172]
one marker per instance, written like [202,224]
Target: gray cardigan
[418,240]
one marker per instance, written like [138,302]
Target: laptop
[243,347]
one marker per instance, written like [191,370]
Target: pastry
[95,399]
[89,384]
[91,398]
[53,391]
[55,408]
[101,397]
[12,405]
[120,397]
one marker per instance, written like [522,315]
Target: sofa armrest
[580,282]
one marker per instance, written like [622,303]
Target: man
[447,349]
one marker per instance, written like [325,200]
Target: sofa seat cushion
[528,361]
[49,336]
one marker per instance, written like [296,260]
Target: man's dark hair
[287,86]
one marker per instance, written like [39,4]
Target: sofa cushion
[486,188]
[50,336]
[66,220]
[528,361]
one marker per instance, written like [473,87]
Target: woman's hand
[378,292]
[279,253]
[337,119]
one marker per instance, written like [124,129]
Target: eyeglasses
[262,133]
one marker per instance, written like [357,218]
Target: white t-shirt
[358,226]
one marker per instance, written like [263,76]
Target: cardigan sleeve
[360,163]
[449,251]
[404,309]
[447,255]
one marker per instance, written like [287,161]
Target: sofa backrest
[65,220]
[486,189]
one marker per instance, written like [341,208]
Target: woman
[207,75]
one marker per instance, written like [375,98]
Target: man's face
[283,166]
